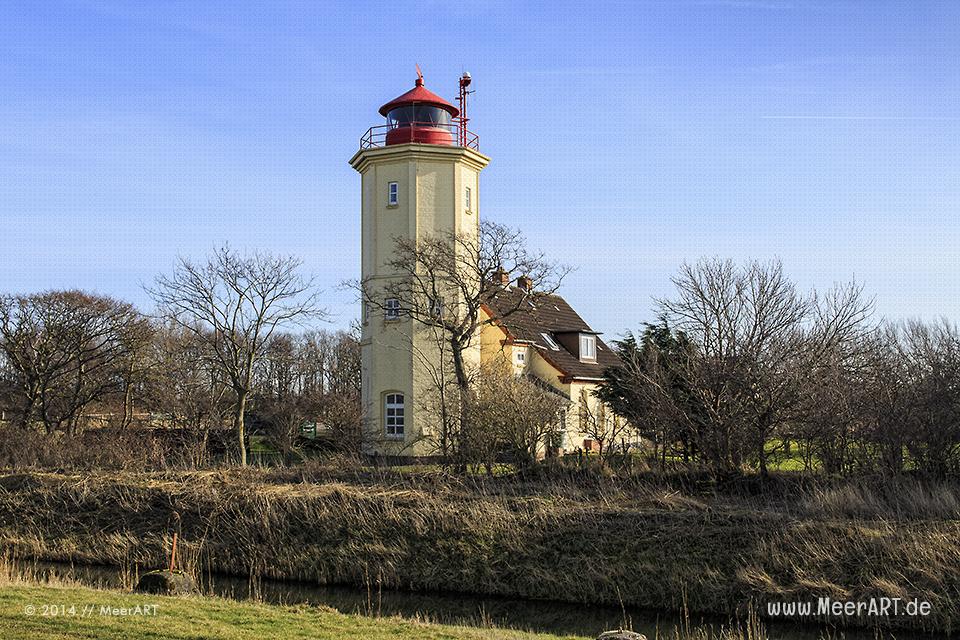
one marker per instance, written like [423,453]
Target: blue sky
[626,138]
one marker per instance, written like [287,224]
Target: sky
[626,138]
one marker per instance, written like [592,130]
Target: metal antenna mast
[464,83]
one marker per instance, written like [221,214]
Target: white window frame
[394,414]
[588,347]
[391,309]
[436,308]
[550,341]
[468,199]
[393,194]
[522,356]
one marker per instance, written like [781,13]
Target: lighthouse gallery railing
[460,137]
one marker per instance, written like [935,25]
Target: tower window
[393,415]
[468,200]
[391,309]
[588,347]
[436,308]
[393,194]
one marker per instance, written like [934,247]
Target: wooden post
[173,553]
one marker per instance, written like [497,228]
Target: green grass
[781,460]
[261,444]
[778,459]
[196,618]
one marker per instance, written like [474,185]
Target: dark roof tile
[551,315]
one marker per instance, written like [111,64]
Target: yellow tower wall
[400,355]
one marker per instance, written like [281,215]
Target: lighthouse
[420,178]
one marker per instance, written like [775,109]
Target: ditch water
[560,618]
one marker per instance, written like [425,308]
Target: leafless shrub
[512,414]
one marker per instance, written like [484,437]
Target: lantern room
[421,116]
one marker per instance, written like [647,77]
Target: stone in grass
[621,635]
[167,583]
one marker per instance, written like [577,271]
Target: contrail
[826,117]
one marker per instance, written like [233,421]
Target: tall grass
[640,540]
[897,499]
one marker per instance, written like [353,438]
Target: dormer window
[588,347]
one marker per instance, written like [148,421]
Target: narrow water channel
[558,618]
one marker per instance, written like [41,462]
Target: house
[420,177]
[546,339]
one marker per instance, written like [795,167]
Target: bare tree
[756,340]
[185,385]
[745,323]
[68,349]
[233,303]
[931,364]
[447,283]
[343,363]
[339,409]
[600,424]
[137,363]
[845,378]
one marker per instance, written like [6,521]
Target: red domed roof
[419,95]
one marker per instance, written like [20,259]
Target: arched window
[393,414]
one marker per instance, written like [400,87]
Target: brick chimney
[525,282]
[501,277]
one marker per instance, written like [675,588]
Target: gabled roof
[551,315]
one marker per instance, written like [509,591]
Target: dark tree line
[230,340]
[62,352]
[743,370]
[310,379]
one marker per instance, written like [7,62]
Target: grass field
[29,612]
